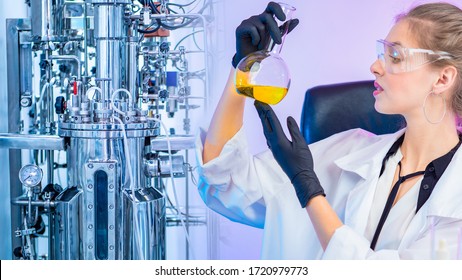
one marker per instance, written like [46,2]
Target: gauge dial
[30,175]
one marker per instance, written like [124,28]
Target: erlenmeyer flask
[264,75]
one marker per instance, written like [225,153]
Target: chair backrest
[334,108]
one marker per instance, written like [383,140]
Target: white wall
[334,42]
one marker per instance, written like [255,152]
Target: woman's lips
[378,90]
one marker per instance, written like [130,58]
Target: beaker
[264,75]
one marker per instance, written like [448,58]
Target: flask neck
[274,48]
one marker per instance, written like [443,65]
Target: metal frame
[12,186]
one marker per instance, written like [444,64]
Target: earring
[425,112]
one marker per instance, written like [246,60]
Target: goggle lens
[397,59]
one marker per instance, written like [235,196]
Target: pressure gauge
[30,175]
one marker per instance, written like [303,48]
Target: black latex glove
[254,33]
[294,157]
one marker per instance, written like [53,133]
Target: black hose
[150,31]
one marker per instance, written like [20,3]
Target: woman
[395,196]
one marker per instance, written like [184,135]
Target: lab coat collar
[366,163]
[445,201]
[446,198]
[368,160]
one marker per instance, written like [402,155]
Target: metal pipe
[187,204]
[42,22]
[85,38]
[175,52]
[168,16]
[132,66]
[110,37]
[45,103]
[177,143]
[31,141]
[29,208]
[49,23]
[51,254]
[49,122]
[11,121]
[49,155]
[193,221]
[46,204]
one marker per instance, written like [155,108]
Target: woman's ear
[446,79]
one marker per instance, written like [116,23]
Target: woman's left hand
[294,156]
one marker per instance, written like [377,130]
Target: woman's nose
[377,68]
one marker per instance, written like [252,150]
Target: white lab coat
[254,190]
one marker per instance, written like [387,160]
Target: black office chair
[330,109]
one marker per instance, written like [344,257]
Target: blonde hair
[438,27]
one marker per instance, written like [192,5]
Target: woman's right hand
[254,33]
[251,35]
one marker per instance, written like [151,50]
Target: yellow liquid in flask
[266,94]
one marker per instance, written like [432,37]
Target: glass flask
[264,75]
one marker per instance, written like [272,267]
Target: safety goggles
[397,59]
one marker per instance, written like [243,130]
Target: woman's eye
[395,59]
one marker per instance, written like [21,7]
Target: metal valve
[161,166]
[60,105]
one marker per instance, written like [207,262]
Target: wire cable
[169,148]
[195,6]
[173,207]
[191,170]
[188,4]
[185,37]
[44,87]
[194,38]
[176,5]
[130,97]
